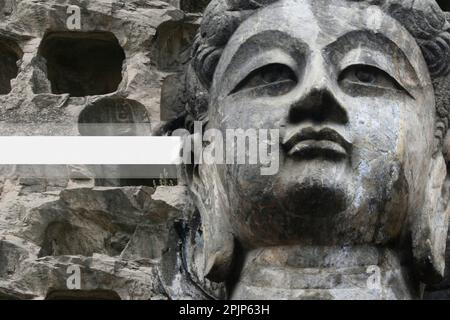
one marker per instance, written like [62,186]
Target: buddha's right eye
[273,80]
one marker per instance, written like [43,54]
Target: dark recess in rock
[172,45]
[83,63]
[445,4]
[193,5]
[9,55]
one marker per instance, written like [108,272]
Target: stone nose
[318,103]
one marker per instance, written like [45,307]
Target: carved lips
[312,143]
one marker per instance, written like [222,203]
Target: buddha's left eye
[272,79]
[369,76]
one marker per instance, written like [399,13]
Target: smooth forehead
[321,23]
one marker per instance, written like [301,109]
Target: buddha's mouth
[312,143]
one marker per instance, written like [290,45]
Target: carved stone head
[354,89]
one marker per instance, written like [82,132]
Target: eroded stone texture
[7,7]
[116,235]
[117,40]
[56,81]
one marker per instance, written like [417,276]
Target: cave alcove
[171,47]
[117,117]
[114,117]
[83,63]
[10,54]
[193,6]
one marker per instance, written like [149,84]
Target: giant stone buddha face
[350,92]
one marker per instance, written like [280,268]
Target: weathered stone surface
[362,189]
[365,220]
[116,235]
[129,28]
[56,81]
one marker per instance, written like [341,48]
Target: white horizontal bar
[89,150]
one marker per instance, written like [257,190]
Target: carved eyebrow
[377,43]
[291,51]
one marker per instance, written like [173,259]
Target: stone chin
[316,198]
[318,202]
[287,208]
[317,187]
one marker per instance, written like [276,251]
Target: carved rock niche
[10,53]
[83,63]
[116,117]
[193,6]
[172,45]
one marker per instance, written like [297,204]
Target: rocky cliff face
[58,75]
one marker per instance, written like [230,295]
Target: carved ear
[218,240]
[430,227]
